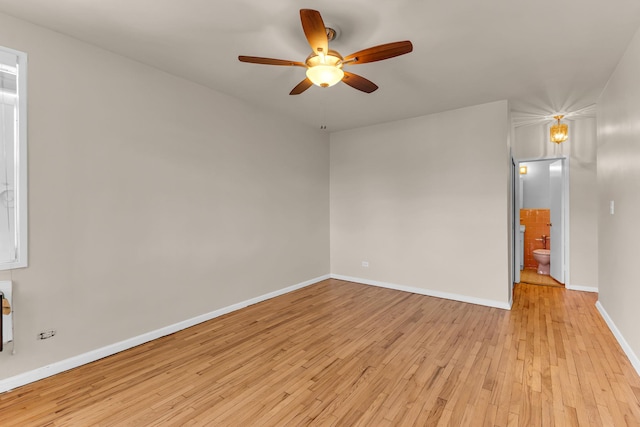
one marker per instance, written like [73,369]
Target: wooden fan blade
[359,82]
[378,53]
[301,87]
[270,61]
[314,30]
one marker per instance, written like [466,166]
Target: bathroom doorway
[541,221]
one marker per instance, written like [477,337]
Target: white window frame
[20,161]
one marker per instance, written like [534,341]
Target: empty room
[319,213]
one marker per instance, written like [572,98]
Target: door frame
[566,231]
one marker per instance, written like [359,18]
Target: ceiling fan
[325,66]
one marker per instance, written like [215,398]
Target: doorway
[541,221]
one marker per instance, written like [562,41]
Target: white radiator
[7,319]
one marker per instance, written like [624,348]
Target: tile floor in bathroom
[532,277]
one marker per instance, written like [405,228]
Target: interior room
[534,202]
[194,230]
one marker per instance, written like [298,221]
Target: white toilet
[543,256]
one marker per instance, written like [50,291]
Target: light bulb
[325,75]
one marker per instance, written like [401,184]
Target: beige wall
[152,200]
[532,142]
[619,180]
[583,203]
[425,202]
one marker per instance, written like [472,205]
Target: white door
[556,183]
[516,183]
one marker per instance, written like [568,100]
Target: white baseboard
[91,356]
[428,292]
[581,288]
[616,333]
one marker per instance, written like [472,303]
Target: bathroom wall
[536,222]
[536,194]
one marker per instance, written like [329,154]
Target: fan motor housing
[331,58]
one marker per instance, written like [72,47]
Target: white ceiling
[543,56]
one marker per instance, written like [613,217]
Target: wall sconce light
[523,170]
[560,131]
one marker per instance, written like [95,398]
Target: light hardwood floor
[533,278]
[349,354]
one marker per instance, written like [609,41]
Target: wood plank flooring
[533,278]
[341,353]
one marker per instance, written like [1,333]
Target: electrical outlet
[365,263]
[45,335]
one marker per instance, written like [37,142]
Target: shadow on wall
[536,222]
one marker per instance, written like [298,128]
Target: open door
[516,204]
[556,183]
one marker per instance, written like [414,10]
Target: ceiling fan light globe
[325,75]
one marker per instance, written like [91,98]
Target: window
[13,159]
